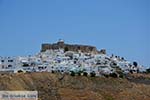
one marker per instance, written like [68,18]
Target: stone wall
[70,47]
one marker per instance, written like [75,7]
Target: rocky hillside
[58,87]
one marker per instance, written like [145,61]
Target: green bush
[114,75]
[121,75]
[148,70]
[79,73]
[53,71]
[92,74]
[72,73]
[106,75]
[85,74]
[20,71]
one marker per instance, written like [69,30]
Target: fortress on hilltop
[71,47]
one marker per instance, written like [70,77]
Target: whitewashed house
[8,64]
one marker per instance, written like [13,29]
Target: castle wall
[82,48]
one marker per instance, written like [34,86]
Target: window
[25,65]
[10,60]
[9,65]
[2,60]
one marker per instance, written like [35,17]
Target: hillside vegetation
[59,87]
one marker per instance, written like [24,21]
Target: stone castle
[71,47]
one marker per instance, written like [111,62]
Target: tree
[20,71]
[85,74]
[93,74]
[114,75]
[72,73]
[148,70]
[79,73]
[53,71]
[122,58]
[135,64]
[121,75]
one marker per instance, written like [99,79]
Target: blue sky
[120,26]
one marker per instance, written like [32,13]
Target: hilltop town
[63,71]
[74,59]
